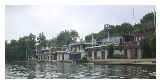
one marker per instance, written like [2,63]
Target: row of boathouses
[121,47]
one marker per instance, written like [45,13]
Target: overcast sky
[22,20]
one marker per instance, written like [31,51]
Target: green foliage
[149,46]
[42,40]
[17,49]
[66,37]
[149,43]
[148,18]
[152,41]
[10,50]
[117,30]
[84,60]
[126,29]
[110,50]
[88,38]
[74,35]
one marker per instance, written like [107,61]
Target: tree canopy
[17,49]
[42,40]
[66,37]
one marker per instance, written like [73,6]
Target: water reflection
[52,70]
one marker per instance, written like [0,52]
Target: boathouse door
[103,54]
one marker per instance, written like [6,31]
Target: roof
[115,45]
[79,43]
[60,51]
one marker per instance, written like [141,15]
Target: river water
[59,70]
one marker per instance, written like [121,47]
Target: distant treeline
[146,24]
[17,49]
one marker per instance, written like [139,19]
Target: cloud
[22,20]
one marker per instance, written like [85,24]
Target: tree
[148,28]
[110,50]
[146,49]
[152,44]
[150,17]
[10,50]
[126,29]
[31,42]
[88,38]
[53,42]
[84,60]
[149,46]
[41,40]
[17,49]
[64,38]
[74,35]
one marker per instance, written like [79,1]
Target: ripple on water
[75,71]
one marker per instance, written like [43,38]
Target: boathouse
[79,47]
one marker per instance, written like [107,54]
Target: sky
[85,19]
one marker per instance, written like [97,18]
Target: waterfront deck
[126,61]
[111,61]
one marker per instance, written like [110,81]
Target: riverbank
[109,61]
[126,61]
